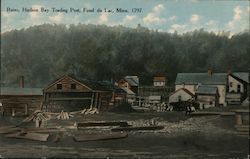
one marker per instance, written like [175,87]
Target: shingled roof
[242,75]
[21,91]
[132,80]
[206,90]
[202,78]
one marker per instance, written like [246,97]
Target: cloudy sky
[163,15]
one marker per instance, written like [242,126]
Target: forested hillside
[42,53]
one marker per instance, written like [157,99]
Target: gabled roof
[185,90]
[21,91]
[203,78]
[64,76]
[132,80]
[90,84]
[204,89]
[244,76]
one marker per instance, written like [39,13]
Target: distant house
[237,87]
[156,93]
[130,82]
[207,96]
[20,101]
[68,93]
[159,81]
[179,95]
[191,82]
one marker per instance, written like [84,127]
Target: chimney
[21,81]
[210,72]
[229,71]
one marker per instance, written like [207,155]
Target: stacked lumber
[90,111]
[64,115]
[37,116]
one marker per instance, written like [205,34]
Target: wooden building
[71,94]
[20,101]
[207,96]
[180,95]
[159,81]
[130,82]
[237,87]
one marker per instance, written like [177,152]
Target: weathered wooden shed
[20,101]
[71,94]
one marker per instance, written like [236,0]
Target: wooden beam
[29,136]
[138,128]
[93,124]
[96,137]
[61,99]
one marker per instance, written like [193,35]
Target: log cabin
[18,101]
[69,93]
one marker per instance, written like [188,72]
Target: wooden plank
[96,137]
[241,126]
[92,124]
[242,110]
[138,128]
[29,136]
[10,130]
[41,130]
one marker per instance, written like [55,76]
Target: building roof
[21,91]
[159,78]
[185,90]
[206,90]
[202,78]
[132,80]
[242,75]
[91,84]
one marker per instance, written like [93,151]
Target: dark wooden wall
[18,103]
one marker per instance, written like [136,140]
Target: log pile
[64,115]
[37,116]
[90,111]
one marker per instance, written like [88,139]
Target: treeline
[43,53]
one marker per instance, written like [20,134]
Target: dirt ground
[182,137]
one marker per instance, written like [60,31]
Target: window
[59,86]
[238,88]
[231,84]
[73,86]
[179,98]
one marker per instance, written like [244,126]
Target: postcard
[124,79]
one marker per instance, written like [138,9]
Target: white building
[237,87]
[191,82]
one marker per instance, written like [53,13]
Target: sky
[162,15]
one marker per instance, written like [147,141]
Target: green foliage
[43,53]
